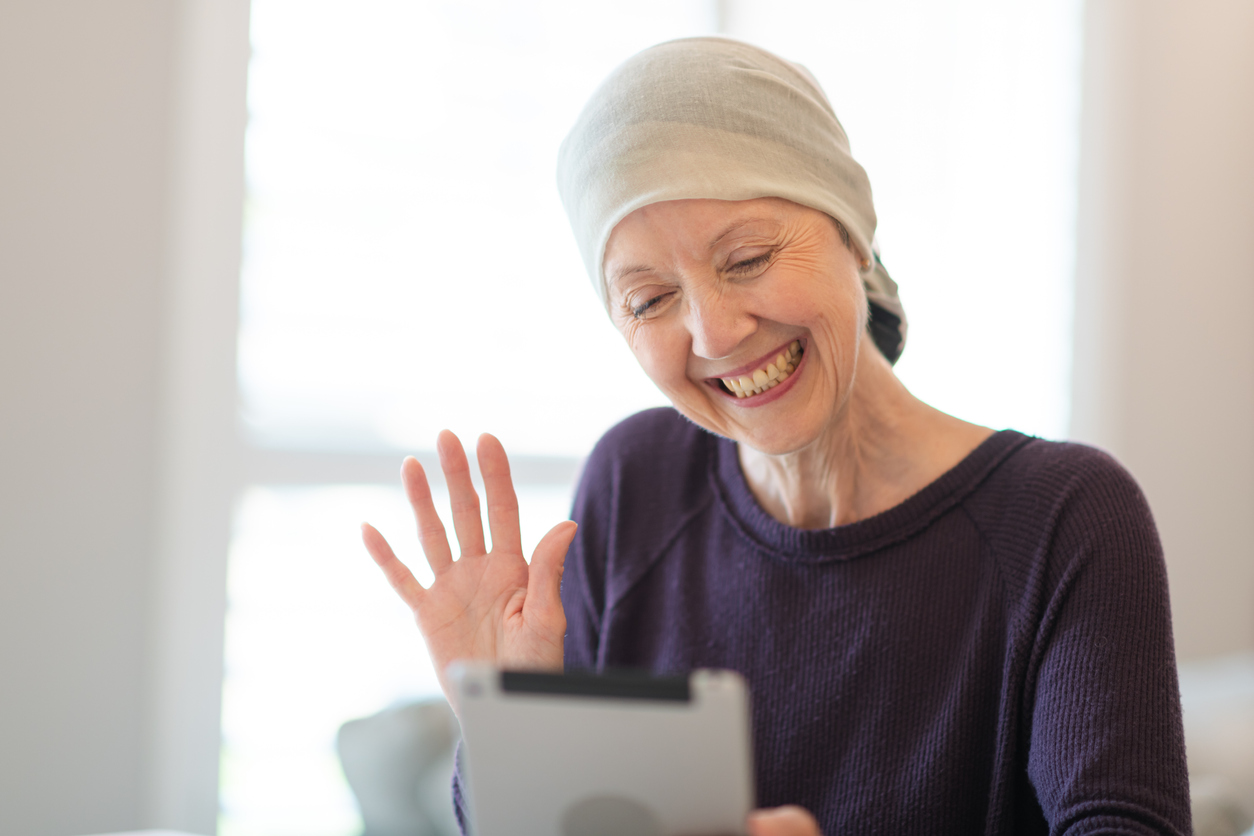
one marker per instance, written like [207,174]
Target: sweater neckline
[845,542]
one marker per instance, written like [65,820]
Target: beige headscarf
[718,118]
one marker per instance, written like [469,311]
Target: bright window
[408,268]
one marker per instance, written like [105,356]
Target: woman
[945,629]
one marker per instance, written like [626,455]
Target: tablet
[618,754]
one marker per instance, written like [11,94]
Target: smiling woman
[749,317]
[943,627]
[774,279]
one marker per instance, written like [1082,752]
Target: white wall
[84,90]
[120,201]
[1164,325]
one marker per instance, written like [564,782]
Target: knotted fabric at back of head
[721,119]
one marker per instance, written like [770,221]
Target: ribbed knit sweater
[993,655]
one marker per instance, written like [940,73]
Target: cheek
[833,312]
[820,306]
[662,353]
[843,332]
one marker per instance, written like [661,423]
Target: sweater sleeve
[583,578]
[1106,747]
[461,808]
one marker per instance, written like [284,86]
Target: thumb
[544,580]
[790,820]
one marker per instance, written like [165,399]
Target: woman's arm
[1106,747]
[584,574]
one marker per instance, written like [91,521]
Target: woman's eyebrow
[623,272]
[732,227]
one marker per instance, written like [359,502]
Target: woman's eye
[751,264]
[638,311]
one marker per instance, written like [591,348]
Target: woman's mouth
[768,376]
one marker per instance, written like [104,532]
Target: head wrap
[718,118]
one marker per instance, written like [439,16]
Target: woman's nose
[718,324]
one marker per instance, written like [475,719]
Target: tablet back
[605,755]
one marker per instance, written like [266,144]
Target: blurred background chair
[399,764]
[1218,700]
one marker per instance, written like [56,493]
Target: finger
[544,580]
[502,501]
[397,573]
[789,820]
[463,500]
[431,534]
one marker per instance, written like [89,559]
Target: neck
[883,446]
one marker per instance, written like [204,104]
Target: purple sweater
[994,655]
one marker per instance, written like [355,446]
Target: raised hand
[486,606]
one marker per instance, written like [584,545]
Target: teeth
[761,380]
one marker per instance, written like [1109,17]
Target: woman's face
[712,294]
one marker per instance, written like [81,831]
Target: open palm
[487,606]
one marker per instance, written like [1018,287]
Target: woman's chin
[769,437]
[765,431]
